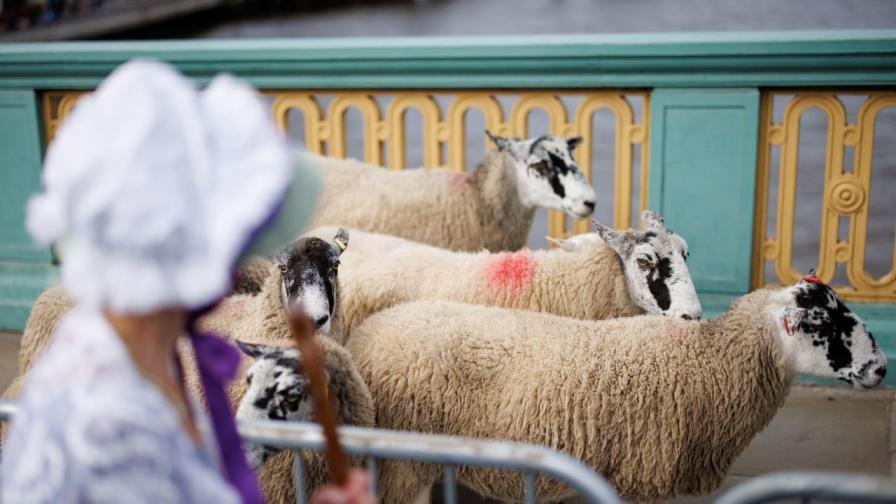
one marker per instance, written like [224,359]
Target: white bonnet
[154,189]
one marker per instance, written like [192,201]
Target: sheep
[305,273]
[595,276]
[314,257]
[659,406]
[271,387]
[492,207]
[259,327]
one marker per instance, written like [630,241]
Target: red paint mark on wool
[456,181]
[511,272]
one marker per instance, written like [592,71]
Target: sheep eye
[542,167]
[335,267]
[643,263]
[283,268]
[248,379]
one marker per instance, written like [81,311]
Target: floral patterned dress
[91,428]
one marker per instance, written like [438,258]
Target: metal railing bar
[438,449]
[529,490]
[450,485]
[374,471]
[299,468]
[808,486]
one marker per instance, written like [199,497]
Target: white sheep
[587,277]
[659,406]
[269,384]
[491,207]
[305,273]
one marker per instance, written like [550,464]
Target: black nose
[881,371]
[687,317]
[322,320]
[589,204]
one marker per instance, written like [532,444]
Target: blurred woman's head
[153,189]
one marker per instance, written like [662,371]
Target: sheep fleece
[261,319]
[660,407]
[448,209]
[586,284]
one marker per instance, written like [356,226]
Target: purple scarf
[218,362]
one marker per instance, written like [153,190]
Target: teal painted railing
[704,123]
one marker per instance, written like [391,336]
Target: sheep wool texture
[453,210]
[261,319]
[586,284]
[661,407]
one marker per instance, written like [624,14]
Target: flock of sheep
[433,318]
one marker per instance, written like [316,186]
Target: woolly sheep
[659,406]
[305,272]
[491,207]
[266,345]
[316,259]
[259,324]
[623,274]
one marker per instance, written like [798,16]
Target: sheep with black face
[661,406]
[626,273]
[491,207]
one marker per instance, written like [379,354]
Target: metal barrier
[812,486]
[449,451]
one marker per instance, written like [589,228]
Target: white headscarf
[154,188]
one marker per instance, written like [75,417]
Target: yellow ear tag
[340,244]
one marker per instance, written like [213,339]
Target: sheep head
[654,260]
[546,173]
[276,389]
[309,270]
[823,337]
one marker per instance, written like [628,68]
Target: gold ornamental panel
[846,192]
[444,129]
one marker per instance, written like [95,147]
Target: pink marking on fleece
[678,331]
[456,181]
[510,273]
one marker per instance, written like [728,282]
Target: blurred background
[68,19]
[801,436]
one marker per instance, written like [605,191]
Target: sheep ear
[573,142]
[652,220]
[565,244]
[254,350]
[341,239]
[613,238]
[502,143]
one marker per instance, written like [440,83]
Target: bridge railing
[708,128]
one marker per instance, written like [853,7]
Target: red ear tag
[787,327]
[811,279]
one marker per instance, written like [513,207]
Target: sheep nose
[322,320]
[688,317]
[589,204]
[881,371]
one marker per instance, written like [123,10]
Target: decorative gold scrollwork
[846,193]
[385,135]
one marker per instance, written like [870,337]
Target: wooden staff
[312,363]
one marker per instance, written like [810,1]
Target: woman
[152,192]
